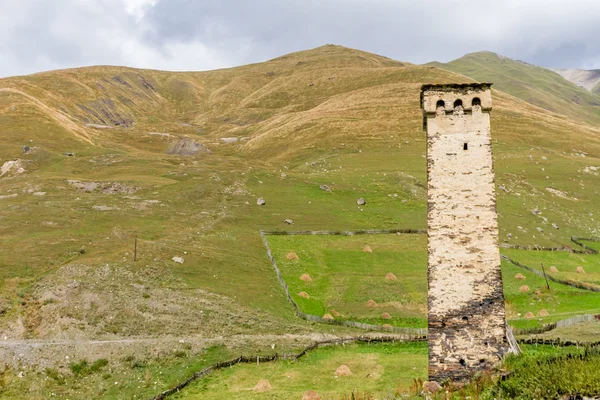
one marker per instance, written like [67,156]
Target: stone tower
[467,328]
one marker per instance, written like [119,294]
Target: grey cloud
[195,35]
[417,31]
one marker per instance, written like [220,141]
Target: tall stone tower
[467,329]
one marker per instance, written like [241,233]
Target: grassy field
[345,277]
[378,369]
[389,371]
[561,302]
[566,264]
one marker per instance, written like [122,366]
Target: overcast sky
[38,35]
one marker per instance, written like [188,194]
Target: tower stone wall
[466,321]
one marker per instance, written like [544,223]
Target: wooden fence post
[545,277]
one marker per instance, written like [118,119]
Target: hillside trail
[36,354]
[198,339]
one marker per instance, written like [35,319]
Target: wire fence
[558,324]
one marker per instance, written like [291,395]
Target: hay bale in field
[553,269]
[543,313]
[328,317]
[305,278]
[529,315]
[386,316]
[367,249]
[335,313]
[292,256]
[524,289]
[387,326]
[390,277]
[262,386]
[580,270]
[371,303]
[343,370]
[520,276]
[304,295]
[310,395]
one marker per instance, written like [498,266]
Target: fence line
[346,233]
[574,239]
[558,342]
[270,358]
[589,250]
[559,324]
[416,333]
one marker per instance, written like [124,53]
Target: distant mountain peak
[587,79]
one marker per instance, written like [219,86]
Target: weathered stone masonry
[467,329]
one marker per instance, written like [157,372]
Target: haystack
[387,326]
[524,289]
[553,269]
[529,315]
[371,303]
[386,316]
[520,277]
[305,278]
[328,316]
[580,270]
[543,313]
[310,395]
[390,277]
[367,249]
[292,256]
[304,295]
[262,386]
[343,370]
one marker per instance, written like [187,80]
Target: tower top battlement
[447,98]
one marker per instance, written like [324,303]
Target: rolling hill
[97,159]
[536,85]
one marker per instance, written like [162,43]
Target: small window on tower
[466,146]
[458,107]
[440,107]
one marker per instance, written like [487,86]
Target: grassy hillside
[536,85]
[103,164]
